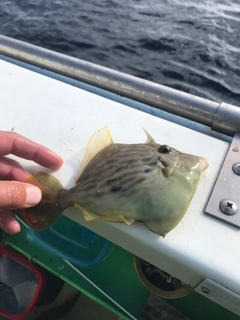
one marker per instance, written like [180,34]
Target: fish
[146,182]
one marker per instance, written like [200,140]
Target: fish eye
[164,149]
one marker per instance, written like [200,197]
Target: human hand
[14,193]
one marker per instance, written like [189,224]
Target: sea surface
[193,46]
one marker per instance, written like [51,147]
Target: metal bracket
[219,294]
[224,202]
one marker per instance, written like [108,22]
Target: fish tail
[49,209]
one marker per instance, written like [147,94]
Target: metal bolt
[236,168]
[228,207]
[205,290]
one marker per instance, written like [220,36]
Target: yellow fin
[150,139]
[44,214]
[87,215]
[111,217]
[98,141]
[46,182]
[115,218]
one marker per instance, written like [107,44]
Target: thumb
[17,195]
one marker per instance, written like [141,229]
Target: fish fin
[46,212]
[98,141]
[150,139]
[111,217]
[115,218]
[87,215]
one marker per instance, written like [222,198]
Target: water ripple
[193,46]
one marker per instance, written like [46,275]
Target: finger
[11,170]
[8,222]
[17,195]
[13,143]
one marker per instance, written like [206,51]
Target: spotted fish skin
[139,183]
[149,182]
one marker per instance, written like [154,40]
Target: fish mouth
[204,163]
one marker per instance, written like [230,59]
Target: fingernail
[13,228]
[33,195]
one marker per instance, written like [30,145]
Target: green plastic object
[73,242]
[115,276]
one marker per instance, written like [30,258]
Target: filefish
[147,182]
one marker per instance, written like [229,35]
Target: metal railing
[223,117]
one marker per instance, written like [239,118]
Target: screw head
[236,168]
[228,207]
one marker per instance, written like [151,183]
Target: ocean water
[193,46]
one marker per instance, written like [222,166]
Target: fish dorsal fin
[98,141]
[150,139]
